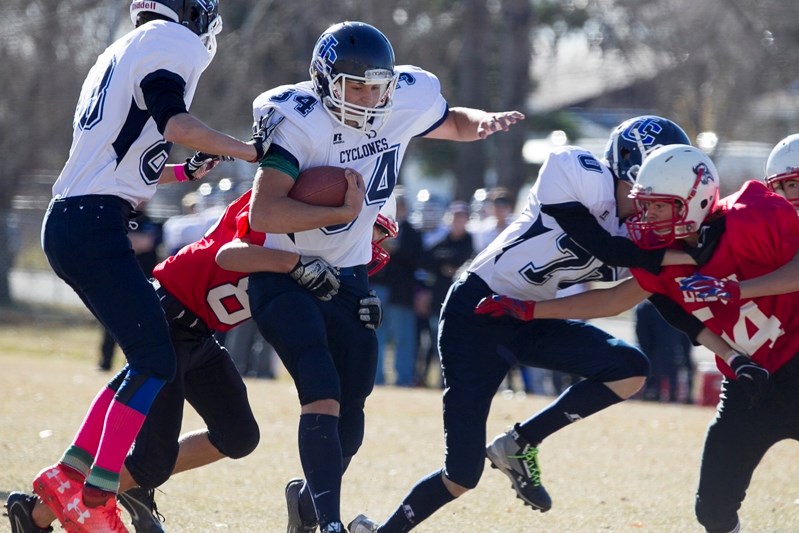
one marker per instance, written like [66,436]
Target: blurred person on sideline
[441,260]
[669,353]
[145,237]
[500,215]
[569,233]
[358,111]
[199,298]
[746,291]
[396,288]
[133,106]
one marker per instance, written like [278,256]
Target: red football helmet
[387,225]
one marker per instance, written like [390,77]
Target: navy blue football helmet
[632,140]
[354,51]
[200,16]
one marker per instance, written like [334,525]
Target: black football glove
[371,311]
[262,131]
[754,379]
[316,275]
[200,164]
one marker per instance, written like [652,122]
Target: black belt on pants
[178,314]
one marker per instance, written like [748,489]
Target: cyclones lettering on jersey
[365,150]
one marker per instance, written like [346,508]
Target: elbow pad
[163,94]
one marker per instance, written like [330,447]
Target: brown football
[325,186]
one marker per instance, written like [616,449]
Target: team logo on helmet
[644,131]
[327,48]
[703,173]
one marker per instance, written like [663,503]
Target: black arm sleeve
[163,94]
[677,317]
[575,219]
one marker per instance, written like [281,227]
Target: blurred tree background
[725,66]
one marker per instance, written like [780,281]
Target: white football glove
[316,275]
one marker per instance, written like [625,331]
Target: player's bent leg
[625,388]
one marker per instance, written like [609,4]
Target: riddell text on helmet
[143,5]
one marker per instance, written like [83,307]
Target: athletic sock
[425,498]
[123,421]
[320,455]
[80,455]
[579,401]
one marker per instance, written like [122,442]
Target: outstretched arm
[595,303]
[467,124]
[783,280]
[242,256]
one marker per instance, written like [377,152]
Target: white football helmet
[683,177]
[387,222]
[783,165]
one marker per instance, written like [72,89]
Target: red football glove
[726,290]
[497,305]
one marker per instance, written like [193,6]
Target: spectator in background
[669,352]
[441,261]
[145,236]
[500,209]
[395,287]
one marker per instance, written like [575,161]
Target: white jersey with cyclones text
[533,257]
[311,136]
[116,147]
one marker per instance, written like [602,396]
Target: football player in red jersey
[198,298]
[745,291]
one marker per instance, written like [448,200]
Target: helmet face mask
[634,139]
[350,54]
[782,169]
[675,190]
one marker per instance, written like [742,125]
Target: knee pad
[466,477]
[351,424]
[630,362]
[236,443]
[152,468]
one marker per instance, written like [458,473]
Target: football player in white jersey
[132,107]
[358,111]
[570,232]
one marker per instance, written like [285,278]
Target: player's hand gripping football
[497,305]
[754,379]
[200,164]
[316,275]
[262,131]
[726,290]
[353,198]
[371,311]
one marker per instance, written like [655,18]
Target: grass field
[633,467]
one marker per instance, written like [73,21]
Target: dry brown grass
[633,467]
